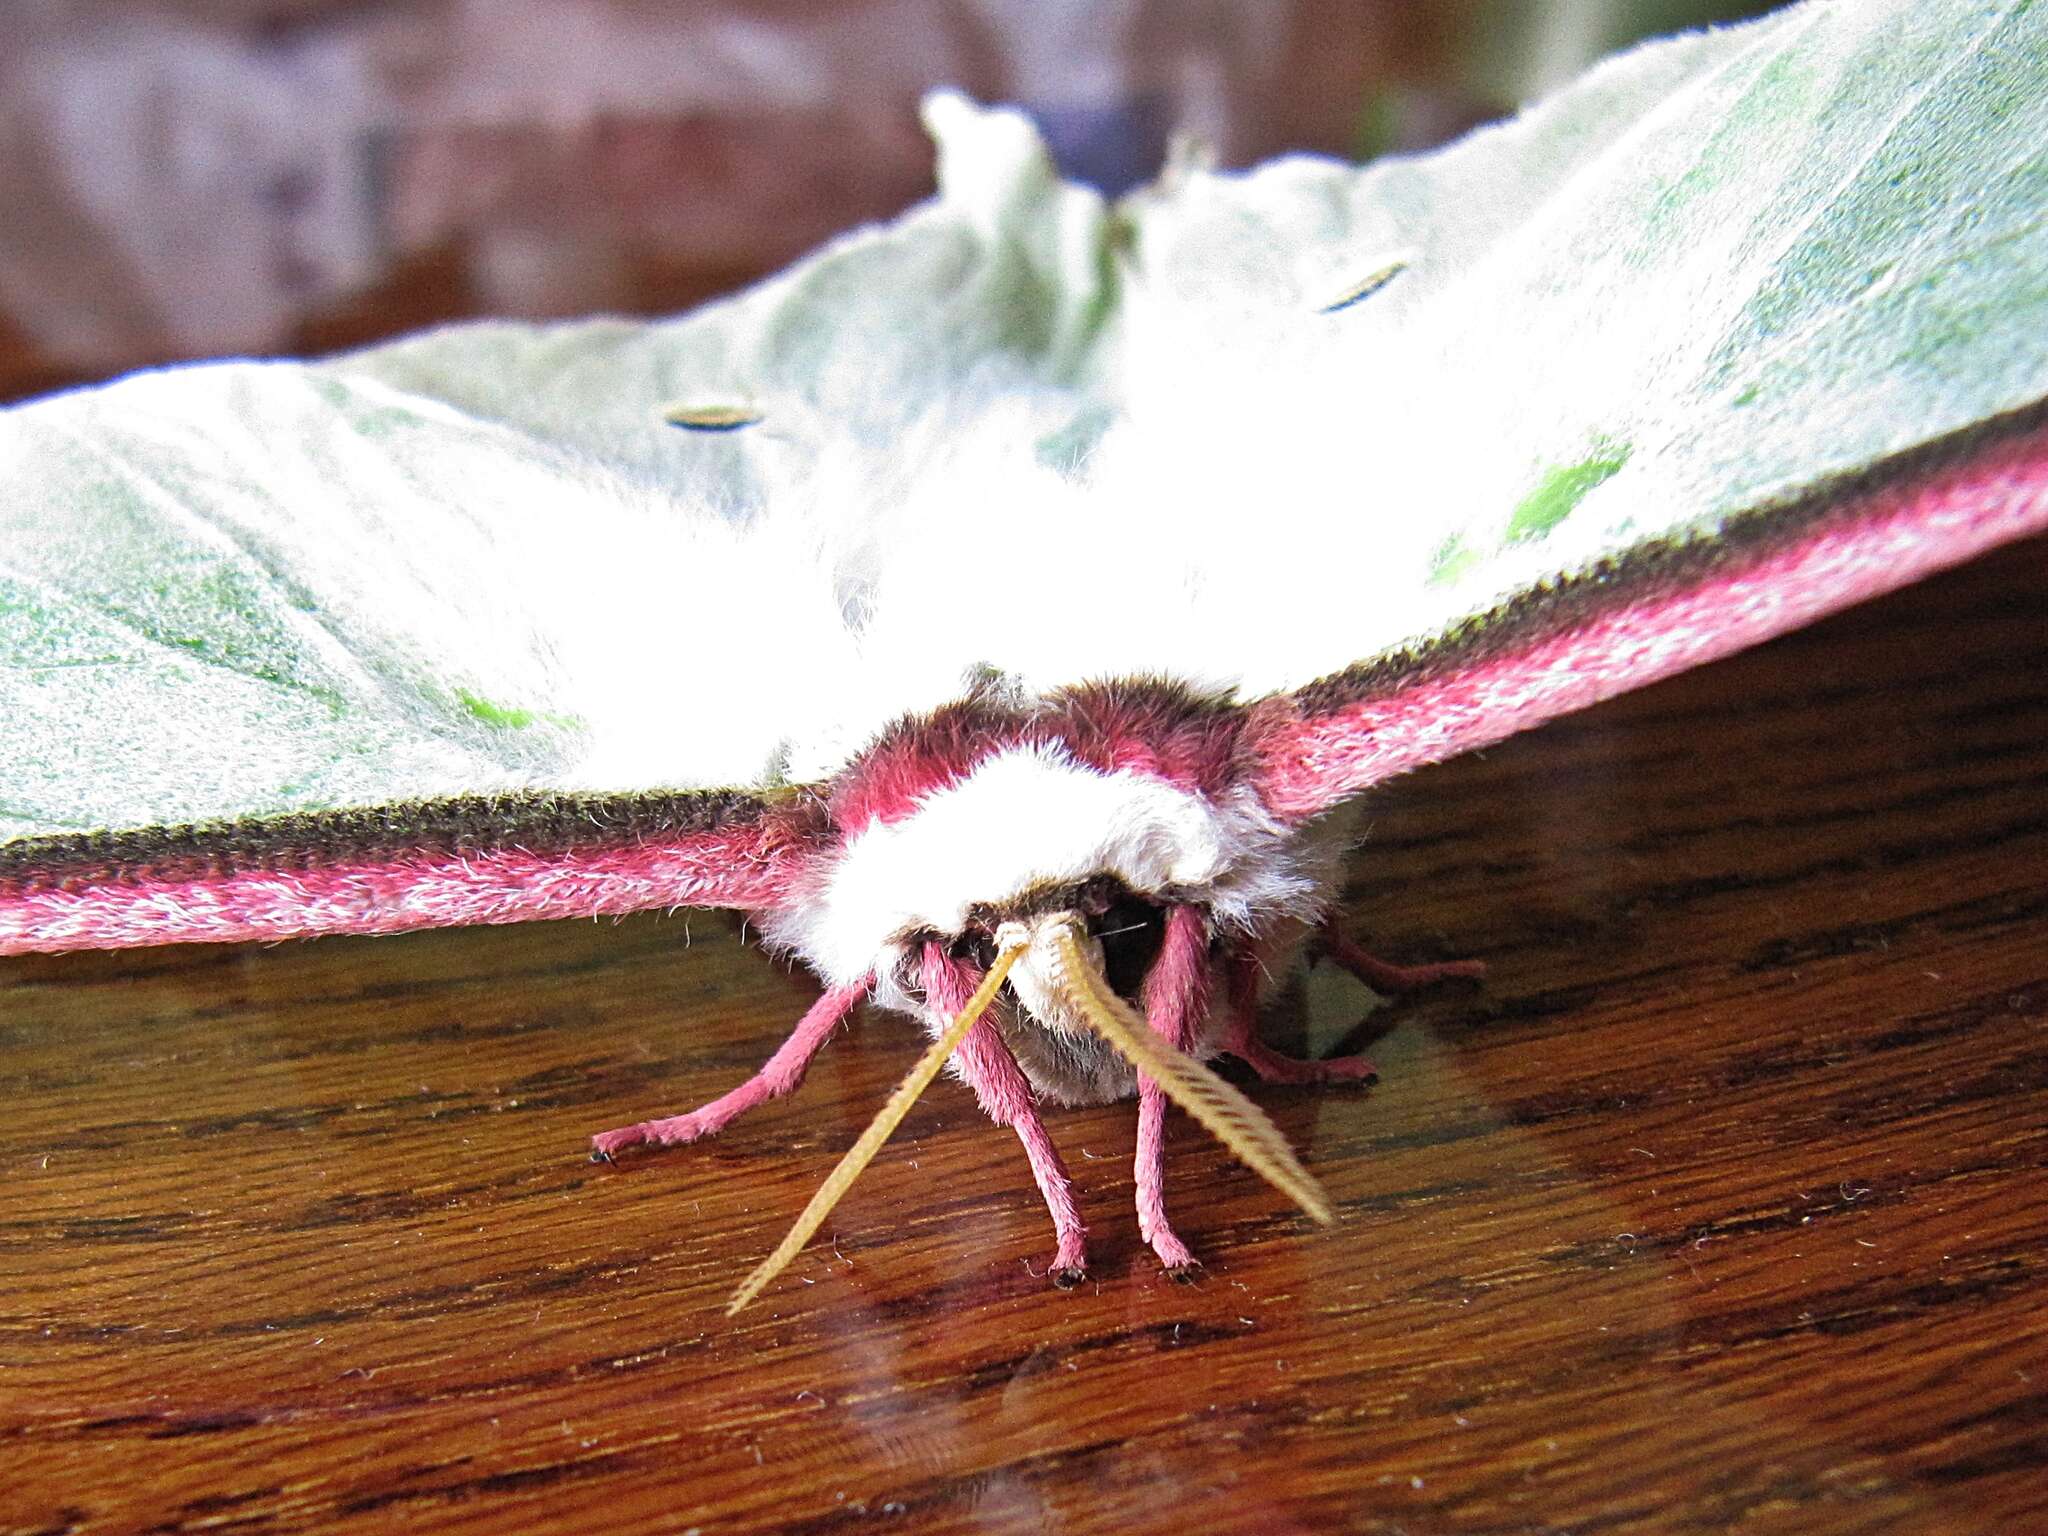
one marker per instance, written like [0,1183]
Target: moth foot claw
[1188,1273]
[1068,1277]
[1174,1256]
[672,1132]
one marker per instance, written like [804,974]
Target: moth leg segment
[1390,980]
[1176,998]
[782,1075]
[1246,966]
[986,1065]
[1241,1034]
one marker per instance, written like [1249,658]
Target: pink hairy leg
[1241,1033]
[1390,979]
[1176,998]
[1005,1096]
[782,1074]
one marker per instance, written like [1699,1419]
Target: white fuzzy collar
[1032,816]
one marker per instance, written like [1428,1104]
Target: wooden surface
[1721,1206]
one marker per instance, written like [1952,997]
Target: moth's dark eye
[976,946]
[1130,929]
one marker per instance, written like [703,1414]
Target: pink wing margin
[1651,614]
[439,864]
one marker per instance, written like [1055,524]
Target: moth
[1072,569]
[1101,847]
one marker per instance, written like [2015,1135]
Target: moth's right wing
[1649,612]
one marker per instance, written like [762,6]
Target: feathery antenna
[863,1151]
[1225,1113]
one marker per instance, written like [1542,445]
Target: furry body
[1119,800]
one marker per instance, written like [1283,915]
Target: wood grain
[1721,1206]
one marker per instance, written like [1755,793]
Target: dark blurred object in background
[188,178]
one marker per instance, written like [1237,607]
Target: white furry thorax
[1030,817]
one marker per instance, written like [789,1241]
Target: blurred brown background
[191,178]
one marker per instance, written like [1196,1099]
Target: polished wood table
[1720,1206]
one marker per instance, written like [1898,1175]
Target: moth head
[1119,933]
